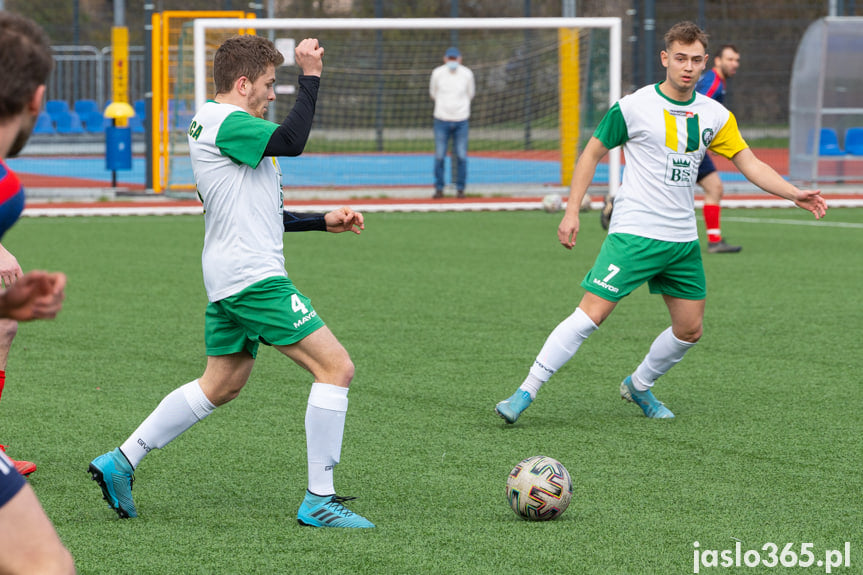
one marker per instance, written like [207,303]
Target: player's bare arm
[309,56]
[344,219]
[766,178]
[585,168]
[10,271]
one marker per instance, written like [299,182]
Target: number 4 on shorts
[297,304]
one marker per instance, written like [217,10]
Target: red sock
[711,221]
[2,381]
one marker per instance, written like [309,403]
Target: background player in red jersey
[712,84]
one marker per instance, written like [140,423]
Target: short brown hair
[25,59]
[725,47]
[685,33]
[241,56]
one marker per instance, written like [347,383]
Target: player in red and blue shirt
[29,543]
[11,206]
[11,198]
[712,84]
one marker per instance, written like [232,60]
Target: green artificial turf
[443,314]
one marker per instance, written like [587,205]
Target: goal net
[542,86]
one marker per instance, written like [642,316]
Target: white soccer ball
[539,488]
[552,203]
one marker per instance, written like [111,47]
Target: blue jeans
[443,131]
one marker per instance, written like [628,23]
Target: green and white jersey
[663,143]
[242,195]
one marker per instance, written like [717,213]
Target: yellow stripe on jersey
[728,140]
[670,131]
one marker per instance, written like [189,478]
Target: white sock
[325,427]
[531,384]
[665,351]
[177,412]
[559,348]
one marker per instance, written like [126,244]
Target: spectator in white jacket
[452,88]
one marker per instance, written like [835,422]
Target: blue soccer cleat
[511,408]
[115,476]
[648,403]
[329,511]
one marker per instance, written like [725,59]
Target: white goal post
[445,25]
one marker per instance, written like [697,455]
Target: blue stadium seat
[179,116]
[828,144]
[140,109]
[95,122]
[69,123]
[56,107]
[86,107]
[854,141]
[183,120]
[136,122]
[44,125]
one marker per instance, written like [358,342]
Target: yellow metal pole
[570,101]
[120,68]
[156,76]
[164,97]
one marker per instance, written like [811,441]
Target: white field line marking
[93,209]
[821,223]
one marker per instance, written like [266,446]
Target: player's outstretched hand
[344,219]
[568,229]
[309,56]
[36,295]
[10,271]
[813,201]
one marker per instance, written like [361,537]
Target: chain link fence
[766,33]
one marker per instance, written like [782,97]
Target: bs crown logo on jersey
[679,170]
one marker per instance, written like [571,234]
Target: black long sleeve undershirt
[295,222]
[290,137]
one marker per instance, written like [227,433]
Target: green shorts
[627,261]
[271,311]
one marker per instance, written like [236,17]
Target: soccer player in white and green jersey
[665,130]
[251,299]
